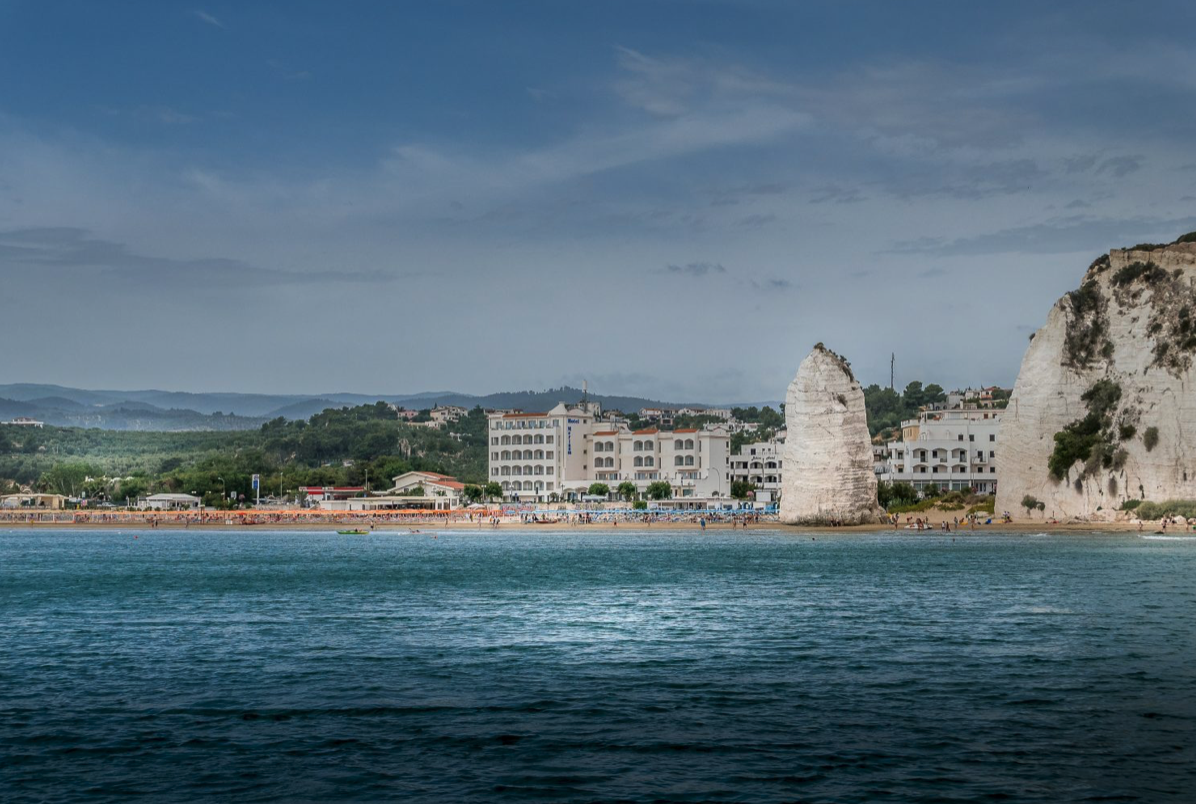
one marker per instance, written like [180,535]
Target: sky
[668,199]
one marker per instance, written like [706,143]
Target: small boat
[353,532]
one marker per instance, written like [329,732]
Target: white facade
[558,454]
[759,464]
[949,449]
[25,421]
[170,502]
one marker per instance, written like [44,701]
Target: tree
[627,490]
[473,493]
[930,492]
[660,490]
[740,489]
[493,490]
[66,479]
[599,490]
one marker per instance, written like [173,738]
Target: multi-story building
[558,454]
[444,414]
[759,464]
[948,449]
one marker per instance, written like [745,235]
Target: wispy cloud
[1078,233]
[696,269]
[206,17]
[74,249]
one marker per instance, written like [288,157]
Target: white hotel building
[535,456]
[950,449]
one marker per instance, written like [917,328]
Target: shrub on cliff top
[1148,272]
[1190,237]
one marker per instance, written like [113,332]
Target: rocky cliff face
[1103,409]
[828,455]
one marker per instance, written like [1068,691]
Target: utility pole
[892,369]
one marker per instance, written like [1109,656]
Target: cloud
[772,285]
[77,250]
[696,269]
[833,193]
[208,18]
[757,220]
[671,87]
[1120,166]
[1078,233]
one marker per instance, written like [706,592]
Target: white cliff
[1103,409]
[827,473]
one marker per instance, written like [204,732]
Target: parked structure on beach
[558,454]
[170,502]
[948,449]
[430,491]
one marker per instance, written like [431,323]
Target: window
[494,441]
[689,443]
[547,439]
[639,461]
[992,453]
[678,444]
[961,436]
[971,437]
[992,436]
[649,461]
[678,461]
[689,460]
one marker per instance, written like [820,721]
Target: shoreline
[1017,526]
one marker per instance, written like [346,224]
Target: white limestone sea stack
[828,475]
[1104,408]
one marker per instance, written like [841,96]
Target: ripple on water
[577,667]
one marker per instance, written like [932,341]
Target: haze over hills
[178,410]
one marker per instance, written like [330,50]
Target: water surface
[596,666]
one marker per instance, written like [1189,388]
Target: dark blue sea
[585,666]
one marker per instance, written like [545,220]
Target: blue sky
[666,198]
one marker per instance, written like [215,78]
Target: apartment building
[537,457]
[759,464]
[949,449]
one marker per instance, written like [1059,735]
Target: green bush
[1148,272]
[1130,505]
[1153,510]
[1077,441]
[1031,503]
[1190,237]
[985,506]
[1150,439]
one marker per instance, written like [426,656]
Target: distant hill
[178,410]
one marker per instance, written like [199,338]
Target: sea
[582,665]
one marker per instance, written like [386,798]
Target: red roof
[687,430]
[607,433]
[649,431]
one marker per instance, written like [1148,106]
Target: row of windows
[522,455]
[528,485]
[641,446]
[941,454]
[959,470]
[519,471]
[516,440]
[526,424]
